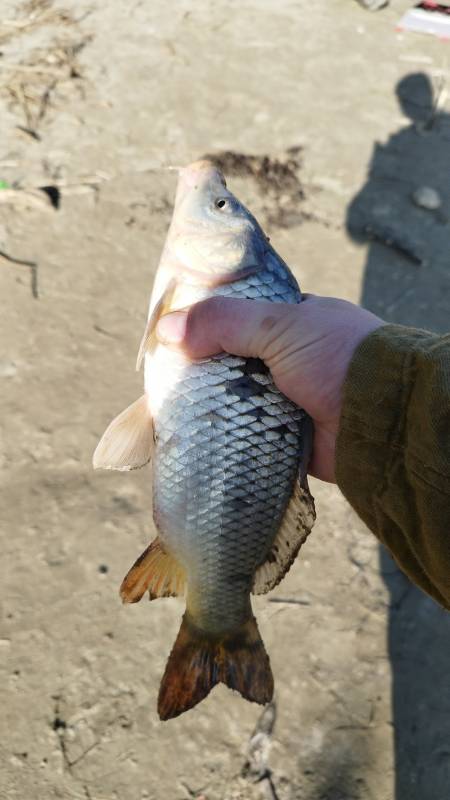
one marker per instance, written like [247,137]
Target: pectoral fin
[155,571]
[149,340]
[296,526]
[128,441]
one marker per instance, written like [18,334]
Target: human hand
[307,347]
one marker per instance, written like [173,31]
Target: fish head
[213,237]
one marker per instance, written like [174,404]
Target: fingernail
[171,328]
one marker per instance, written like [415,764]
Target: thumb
[219,324]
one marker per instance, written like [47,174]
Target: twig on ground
[387,236]
[32,266]
[26,197]
[290,601]
[256,767]
[29,68]
[440,96]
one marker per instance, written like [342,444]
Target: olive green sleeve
[393,449]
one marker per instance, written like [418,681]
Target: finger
[243,327]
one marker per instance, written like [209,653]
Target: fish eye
[220,202]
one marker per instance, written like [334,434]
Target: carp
[229,454]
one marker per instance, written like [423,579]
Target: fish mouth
[200,172]
[200,177]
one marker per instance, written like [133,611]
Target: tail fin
[198,662]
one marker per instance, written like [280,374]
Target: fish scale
[223,532]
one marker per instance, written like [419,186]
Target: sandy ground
[94,99]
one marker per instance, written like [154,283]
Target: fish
[229,453]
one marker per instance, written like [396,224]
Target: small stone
[426,197]
[373,5]
[7,369]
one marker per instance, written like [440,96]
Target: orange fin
[155,571]
[149,340]
[128,440]
[295,528]
[198,662]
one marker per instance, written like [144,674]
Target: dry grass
[30,85]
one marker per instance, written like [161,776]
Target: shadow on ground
[407,281]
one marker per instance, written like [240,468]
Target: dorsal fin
[294,530]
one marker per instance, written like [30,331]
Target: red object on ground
[430,5]
[427,17]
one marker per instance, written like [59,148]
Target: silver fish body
[228,448]
[229,454]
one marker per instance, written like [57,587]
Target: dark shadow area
[407,281]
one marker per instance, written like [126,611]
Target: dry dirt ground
[94,99]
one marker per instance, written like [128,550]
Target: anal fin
[128,441]
[295,528]
[155,571]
